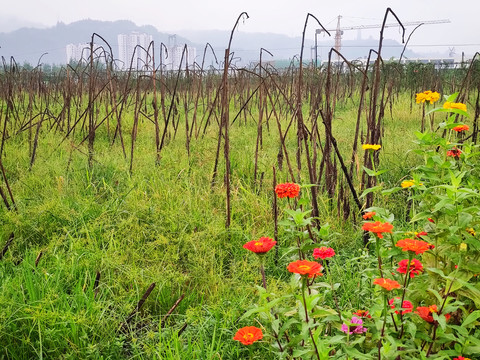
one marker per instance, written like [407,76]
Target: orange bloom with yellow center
[416,246]
[387,284]
[425,312]
[305,267]
[369,215]
[378,228]
[460,128]
[260,246]
[248,335]
[290,190]
[451,105]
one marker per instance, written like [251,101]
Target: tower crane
[339,30]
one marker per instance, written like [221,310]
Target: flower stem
[304,284]
[385,309]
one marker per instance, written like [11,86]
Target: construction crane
[339,30]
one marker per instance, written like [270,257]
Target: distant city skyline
[281,16]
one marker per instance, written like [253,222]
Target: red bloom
[305,267]
[414,268]
[417,246]
[431,220]
[407,305]
[248,335]
[323,252]
[454,153]
[461,358]
[290,190]
[363,314]
[460,128]
[425,312]
[369,215]
[387,284]
[420,234]
[260,246]
[378,228]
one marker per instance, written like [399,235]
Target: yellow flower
[463,247]
[407,183]
[371,147]
[428,95]
[450,105]
[420,98]
[471,231]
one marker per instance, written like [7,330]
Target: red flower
[260,246]
[369,215]
[425,312]
[248,335]
[290,190]
[323,252]
[461,358]
[454,153]
[414,268]
[417,246]
[431,220]
[407,305]
[460,128]
[378,228]
[420,234]
[363,314]
[305,267]
[387,284]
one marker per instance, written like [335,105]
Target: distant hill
[28,44]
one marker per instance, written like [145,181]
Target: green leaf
[471,318]
[451,98]
[369,190]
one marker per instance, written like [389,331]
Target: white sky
[280,16]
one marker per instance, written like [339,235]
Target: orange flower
[425,312]
[461,358]
[290,190]
[363,314]
[387,284]
[305,267]
[378,228]
[414,268]
[417,246]
[454,153]
[460,128]
[369,215]
[260,246]
[248,335]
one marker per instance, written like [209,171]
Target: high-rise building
[129,57]
[175,57]
[81,53]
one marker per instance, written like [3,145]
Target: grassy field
[90,240]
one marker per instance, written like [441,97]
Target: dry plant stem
[300,128]
[169,312]
[4,175]
[138,307]
[8,243]
[275,216]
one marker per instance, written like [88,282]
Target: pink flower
[323,253]
[355,326]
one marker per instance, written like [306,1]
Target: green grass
[164,225]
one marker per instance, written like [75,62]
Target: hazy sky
[280,16]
